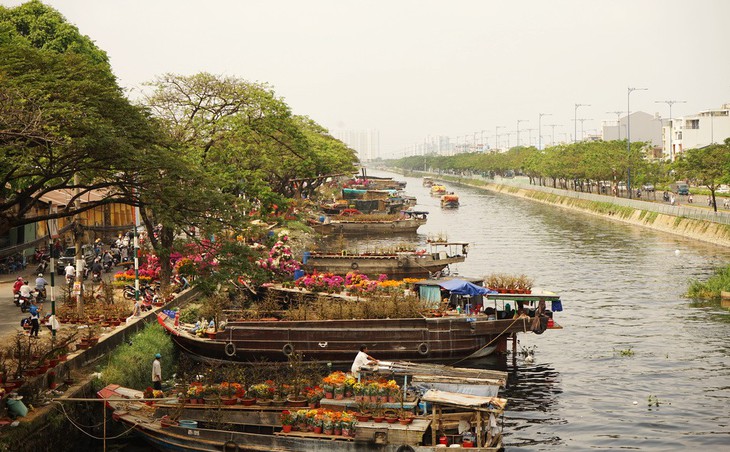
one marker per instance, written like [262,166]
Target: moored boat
[412,264]
[438,190]
[408,221]
[176,425]
[427,182]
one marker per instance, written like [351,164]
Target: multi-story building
[365,142]
[695,131]
[643,127]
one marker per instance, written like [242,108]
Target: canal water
[629,334]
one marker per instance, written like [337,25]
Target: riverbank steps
[702,230]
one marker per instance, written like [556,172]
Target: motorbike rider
[26,293]
[96,268]
[40,286]
[18,283]
[70,273]
[107,260]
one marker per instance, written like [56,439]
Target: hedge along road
[628,331]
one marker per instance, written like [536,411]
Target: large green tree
[62,115]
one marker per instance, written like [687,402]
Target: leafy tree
[61,115]
[708,166]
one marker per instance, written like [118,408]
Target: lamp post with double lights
[671,123]
[539,129]
[582,120]
[575,118]
[628,134]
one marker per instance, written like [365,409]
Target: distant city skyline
[430,68]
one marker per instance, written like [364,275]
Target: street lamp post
[529,136]
[496,135]
[575,118]
[618,122]
[628,134]
[671,123]
[582,120]
[518,130]
[539,129]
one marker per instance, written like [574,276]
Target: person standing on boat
[157,373]
[362,359]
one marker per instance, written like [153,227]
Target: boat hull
[426,339]
[395,266]
[355,227]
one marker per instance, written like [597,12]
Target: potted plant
[287,421]
[378,413]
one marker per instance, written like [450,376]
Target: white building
[643,127]
[695,131]
[365,142]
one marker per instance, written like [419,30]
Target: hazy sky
[413,69]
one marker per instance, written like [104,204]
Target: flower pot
[228,400]
[362,417]
[286,428]
[337,432]
[312,405]
[374,399]
[405,421]
[278,402]
[318,429]
[248,401]
[263,402]
[329,431]
[467,444]
[378,418]
[211,335]
[296,402]
[346,432]
[391,399]
[391,420]
[328,395]
[339,396]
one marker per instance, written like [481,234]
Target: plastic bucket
[17,408]
[298,274]
[188,424]
[305,256]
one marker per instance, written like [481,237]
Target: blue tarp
[461,287]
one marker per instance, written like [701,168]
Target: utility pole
[582,120]
[496,135]
[518,129]
[618,122]
[671,123]
[78,233]
[575,118]
[529,136]
[553,134]
[539,131]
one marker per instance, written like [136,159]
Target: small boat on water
[438,190]
[450,201]
[408,221]
[411,264]
[427,182]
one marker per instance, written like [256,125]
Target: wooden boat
[450,201]
[174,425]
[412,264]
[427,182]
[438,190]
[408,221]
[428,339]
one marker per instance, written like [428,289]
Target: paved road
[10,315]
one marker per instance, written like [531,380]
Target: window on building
[693,124]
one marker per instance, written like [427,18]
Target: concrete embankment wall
[686,221]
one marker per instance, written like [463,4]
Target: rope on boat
[495,338]
[81,428]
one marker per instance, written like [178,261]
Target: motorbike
[40,295]
[24,303]
[108,266]
[43,264]
[96,277]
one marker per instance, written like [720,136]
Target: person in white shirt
[70,272]
[157,373]
[362,359]
[25,290]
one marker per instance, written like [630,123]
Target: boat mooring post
[514,350]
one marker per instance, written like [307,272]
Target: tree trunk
[167,237]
